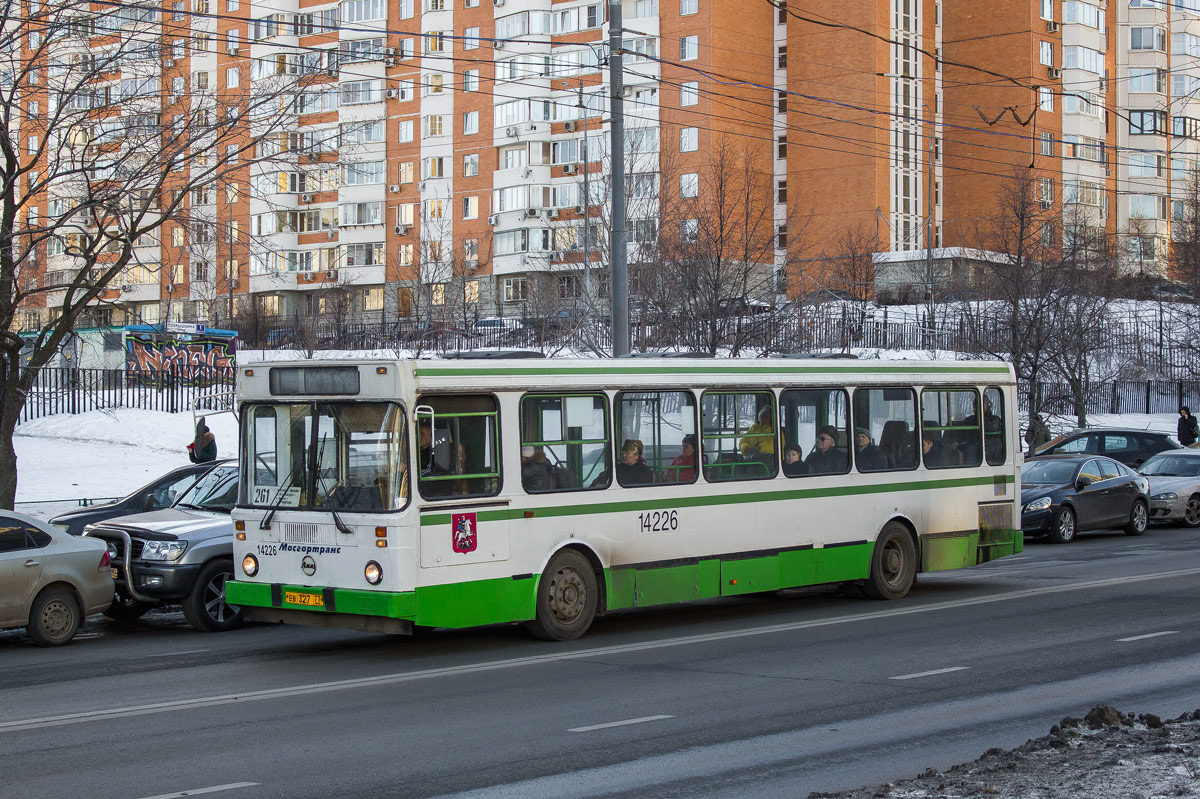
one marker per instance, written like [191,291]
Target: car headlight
[1038,504]
[373,572]
[250,565]
[1166,495]
[163,550]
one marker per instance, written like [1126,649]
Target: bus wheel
[567,598]
[893,564]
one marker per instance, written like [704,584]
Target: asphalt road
[764,696]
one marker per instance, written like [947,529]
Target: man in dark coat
[866,454]
[825,457]
[1187,427]
[204,448]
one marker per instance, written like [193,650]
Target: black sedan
[156,495]
[1130,447]
[1062,495]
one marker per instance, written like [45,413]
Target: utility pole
[929,228]
[617,236]
[587,206]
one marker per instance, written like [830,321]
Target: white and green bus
[384,495]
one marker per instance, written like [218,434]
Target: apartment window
[781,192]
[1046,192]
[470,165]
[470,81]
[363,10]
[1185,127]
[645,8]
[1083,147]
[434,125]
[356,92]
[405,172]
[781,237]
[363,172]
[435,42]
[1143,248]
[470,208]
[1047,139]
[369,254]
[435,5]
[781,56]
[435,209]
[688,7]
[1077,57]
[1148,80]
[689,230]
[1147,122]
[1147,38]
[200,80]
[470,122]
[1081,13]
[688,140]
[1147,206]
[689,48]
[437,294]
[1045,98]
[471,39]
[433,167]
[1046,53]
[781,147]
[405,131]
[406,254]
[515,289]
[1147,165]
[471,250]
[369,213]
[471,291]
[1048,9]
[689,184]
[232,78]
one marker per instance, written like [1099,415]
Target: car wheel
[1063,531]
[1191,511]
[127,609]
[567,597]
[205,607]
[1138,517]
[893,564]
[54,617]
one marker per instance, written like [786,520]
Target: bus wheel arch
[909,525]
[568,595]
[894,561]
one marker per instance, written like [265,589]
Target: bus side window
[993,427]
[950,428]
[564,442]
[885,429]
[815,424]
[652,427]
[458,450]
[737,435]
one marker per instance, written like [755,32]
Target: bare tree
[92,167]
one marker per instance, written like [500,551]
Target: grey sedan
[1174,486]
[49,580]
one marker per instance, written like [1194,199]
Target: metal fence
[58,390]
[1117,396]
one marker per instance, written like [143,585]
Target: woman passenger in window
[793,463]
[760,438]
[631,469]
[683,468]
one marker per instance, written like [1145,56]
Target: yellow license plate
[296,598]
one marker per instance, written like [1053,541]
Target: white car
[1174,486]
[50,580]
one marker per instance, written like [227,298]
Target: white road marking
[578,654]
[929,673]
[1149,635]
[624,723]
[198,791]
[173,654]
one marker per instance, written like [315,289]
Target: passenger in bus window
[825,457]
[632,470]
[866,454]
[536,472]
[760,438]
[425,451]
[683,468]
[932,451]
[793,462]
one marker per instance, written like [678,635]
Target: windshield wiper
[189,505]
[337,520]
[265,522]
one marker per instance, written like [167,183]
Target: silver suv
[182,554]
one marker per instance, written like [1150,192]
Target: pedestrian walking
[1036,434]
[1187,427]
[203,449]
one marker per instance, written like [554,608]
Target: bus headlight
[250,565]
[373,573]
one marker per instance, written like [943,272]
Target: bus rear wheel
[893,564]
[567,597]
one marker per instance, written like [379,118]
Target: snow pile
[1105,755]
[107,453]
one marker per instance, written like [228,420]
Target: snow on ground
[106,453]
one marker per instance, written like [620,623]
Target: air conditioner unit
[389,62]
[498,44]
[401,230]
[392,94]
[234,282]
[533,213]
[510,131]
[569,126]
[556,255]
[493,220]
[331,274]
[497,3]
[552,213]
[305,198]
[391,52]
[306,275]
[1054,72]
[527,171]
[570,169]
[1051,27]
[169,287]
[126,287]
[421,186]
[329,234]
[579,209]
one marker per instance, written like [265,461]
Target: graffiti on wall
[185,359]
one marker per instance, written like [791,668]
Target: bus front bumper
[343,608]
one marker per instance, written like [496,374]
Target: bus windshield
[341,456]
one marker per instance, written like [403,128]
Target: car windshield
[1172,466]
[345,456]
[215,491]
[1047,472]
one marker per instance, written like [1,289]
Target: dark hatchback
[1062,495]
[1130,447]
[155,495]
